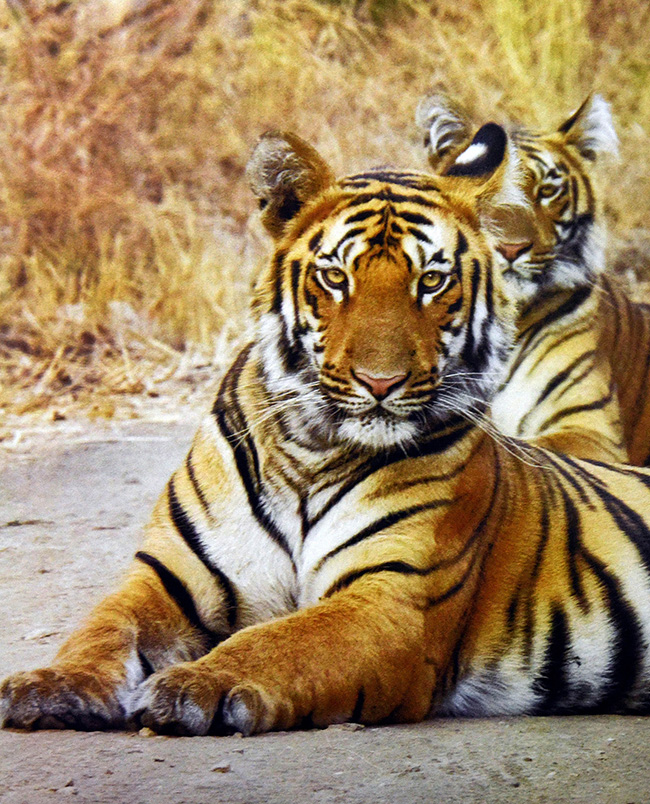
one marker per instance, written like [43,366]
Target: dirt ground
[72,503]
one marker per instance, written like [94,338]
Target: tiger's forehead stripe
[388,199]
[419,181]
[363,215]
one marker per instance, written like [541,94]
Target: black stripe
[575,380]
[525,592]
[419,235]
[553,383]
[362,216]
[455,588]
[551,682]
[454,307]
[195,484]
[421,200]
[572,474]
[386,194]
[315,241]
[555,341]
[469,353]
[597,404]
[629,644]
[414,217]
[311,300]
[387,566]
[178,592]
[184,526]
[380,524]
[485,346]
[461,248]
[574,548]
[298,329]
[234,428]
[565,309]
[349,235]
[417,181]
[278,259]
[291,355]
[362,198]
[437,445]
[404,568]
[629,521]
[147,668]
[357,712]
[525,346]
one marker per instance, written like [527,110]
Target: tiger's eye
[431,281]
[334,277]
[547,190]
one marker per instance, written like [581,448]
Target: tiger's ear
[445,129]
[489,168]
[590,129]
[284,172]
[488,178]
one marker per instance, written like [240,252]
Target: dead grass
[128,239]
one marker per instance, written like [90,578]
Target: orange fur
[324,554]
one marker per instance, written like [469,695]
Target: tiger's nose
[379,387]
[513,250]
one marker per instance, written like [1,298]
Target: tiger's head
[379,315]
[558,244]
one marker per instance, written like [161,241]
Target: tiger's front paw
[190,699]
[52,699]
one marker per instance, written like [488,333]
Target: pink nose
[512,250]
[379,387]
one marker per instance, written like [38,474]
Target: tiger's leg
[96,670]
[366,655]
[205,570]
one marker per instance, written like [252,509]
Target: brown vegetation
[128,238]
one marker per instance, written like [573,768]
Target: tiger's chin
[378,432]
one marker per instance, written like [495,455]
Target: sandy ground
[72,504]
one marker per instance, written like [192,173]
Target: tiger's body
[342,542]
[578,379]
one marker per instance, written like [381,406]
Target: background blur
[128,236]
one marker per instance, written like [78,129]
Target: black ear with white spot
[284,172]
[590,129]
[483,155]
[487,174]
[444,127]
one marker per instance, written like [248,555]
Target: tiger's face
[557,243]
[380,317]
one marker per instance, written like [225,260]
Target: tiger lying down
[343,541]
[578,379]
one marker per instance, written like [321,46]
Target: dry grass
[128,239]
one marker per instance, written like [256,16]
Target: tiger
[580,375]
[344,541]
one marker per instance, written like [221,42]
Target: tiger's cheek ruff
[289,342]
